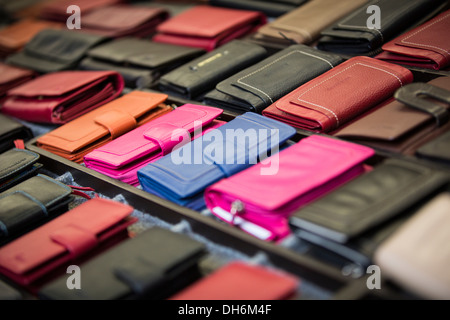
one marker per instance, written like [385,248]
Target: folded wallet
[183,175]
[57,9]
[13,77]
[153,265]
[437,149]
[271,8]
[11,130]
[78,137]
[124,156]
[60,97]
[208,27]
[337,96]
[249,90]
[60,242]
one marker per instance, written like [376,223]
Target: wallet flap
[75,239]
[117,122]
[167,136]
[11,75]
[13,161]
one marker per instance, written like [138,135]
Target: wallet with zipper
[13,77]
[11,130]
[271,8]
[78,137]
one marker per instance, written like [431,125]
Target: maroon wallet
[60,97]
[12,77]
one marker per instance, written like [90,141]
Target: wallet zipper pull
[237,207]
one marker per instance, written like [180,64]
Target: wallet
[140,62]
[55,50]
[13,77]
[31,203]
[9,293]
[124,156]
[11,130]
[153,266]
[124,20]
[437,149]
[47,250]
[249,90]
[241,281]
[304,24]
[351,35]
[60,97]
[57,9]
[426,46]
[416,255]
[78,137]
[17,165]
[208,27]
[337,96]
[261,204]
[201,75]
[183,175]
[271,8]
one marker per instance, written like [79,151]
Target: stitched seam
[28,163]
[69,190]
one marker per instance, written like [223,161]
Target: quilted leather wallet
[30,204]
[17,165]
[124,20]
[304,24]
[124,156]
[10,130]
[368,201]
[271,8]
[54,50]
[426,46]
[12,77]
[136,269]
[57,9]
[261,204]
[78,137]
[249,90]
[351,34]
[241,281]
[183,175]
[60,97]
[201,75]
[416,255]
[208,27]
[62,241]
[337,96]
[141,62]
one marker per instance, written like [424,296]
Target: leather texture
[337,96]
[17,165]
[216,155]
[436,149]
[208,27]
[13,77]
[270,8]
[136,269]
[124,156]
[60,97]
[57,9]
[10,130]
[249,90]
[78,137]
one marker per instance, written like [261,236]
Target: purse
[78,137]
[11,130]
[334,98]
[271,8]
[60,97]
[13,77]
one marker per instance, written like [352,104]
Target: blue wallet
[183,175]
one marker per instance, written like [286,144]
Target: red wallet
[13,77]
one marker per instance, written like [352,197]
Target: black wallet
[141,62]
[437,149]
[250,90]
[271,8]
[200,75]
[10,130]
[353,36]
[153,265]
[55,50]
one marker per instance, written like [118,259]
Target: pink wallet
[124,156]
[260,204]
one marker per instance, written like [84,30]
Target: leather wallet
[261,204]
[124,156]
[124,20]
[54,50]
[437,149]
[11,130]
[141,62]
[9,293]
[249,90]
[208,27]
[62,241]
[183,175]
[17,165]
[137,268]
[78,137]
[31,203]
[201,75]
[402,127]
[337,96]
[416,255]
[271,8]
[351,35]
[370,200]
[241,281]
[60,97]
[426,46]
[13,77]
[304,24]
[57,9]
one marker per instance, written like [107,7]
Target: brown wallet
[88,132]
